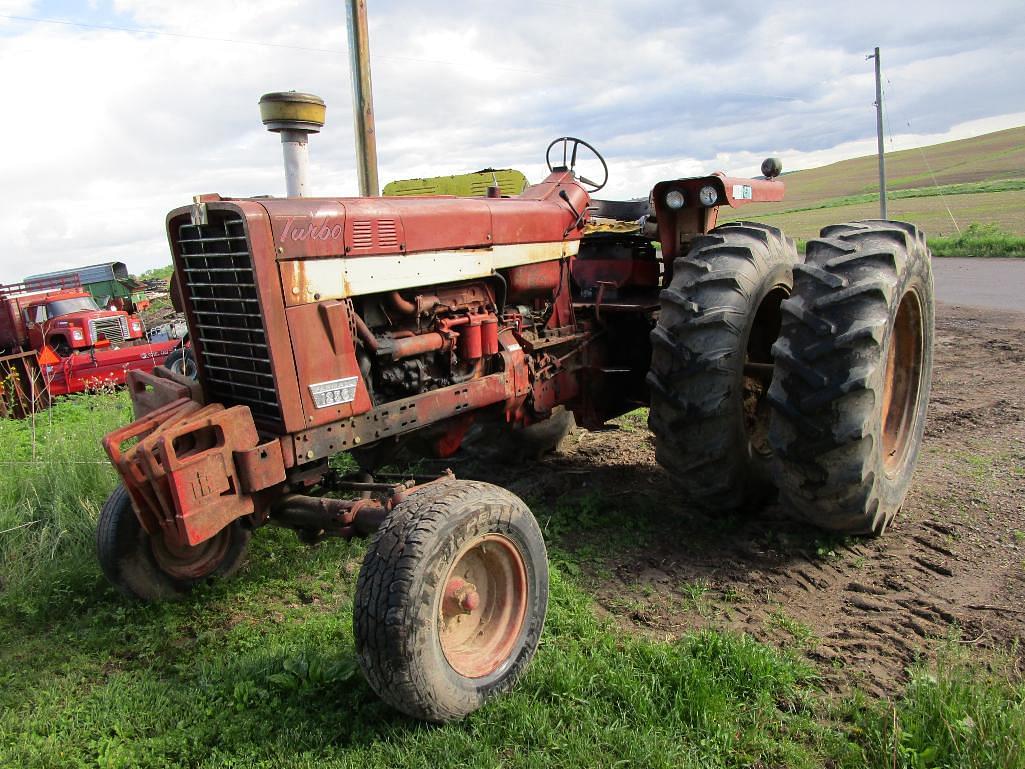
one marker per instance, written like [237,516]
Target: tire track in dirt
[864,609]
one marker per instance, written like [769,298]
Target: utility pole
[362,97]
[879,135]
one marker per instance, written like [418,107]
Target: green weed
[800,632]
[260,671]
[54,479]
[959,714]
[985,240]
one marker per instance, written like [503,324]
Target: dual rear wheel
[810,377]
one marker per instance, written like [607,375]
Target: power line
[235,41]
[921,150]
[336,51]
[160,33]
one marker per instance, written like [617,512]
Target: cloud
[111,129]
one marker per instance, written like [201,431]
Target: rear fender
[676,227]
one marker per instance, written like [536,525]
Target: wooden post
[362,97]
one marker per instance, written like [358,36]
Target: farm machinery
[323,326]
[53,332]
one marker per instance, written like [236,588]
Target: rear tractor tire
[712,363]
[145,568]
[451,599]
[503,442]
[853,374]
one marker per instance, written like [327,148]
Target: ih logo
[201,486]
[305,228]
[207,478]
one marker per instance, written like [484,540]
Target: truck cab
[71,321]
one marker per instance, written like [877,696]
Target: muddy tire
[451,599]
[181,361]
[720,313]
[499,441]
[853,374]
[145,569]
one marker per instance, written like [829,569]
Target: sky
[105,130]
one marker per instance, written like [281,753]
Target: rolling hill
[979,180]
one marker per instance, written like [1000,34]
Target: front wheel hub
[191,562]
[483,609]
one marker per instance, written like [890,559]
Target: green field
[969,181]
[260,672]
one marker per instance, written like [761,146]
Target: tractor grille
[114,329]
[216,270]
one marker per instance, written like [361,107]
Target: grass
[990,158]
[979,180]
[968,717]
[943,190]
[259,671]
[54,479]
[979,240]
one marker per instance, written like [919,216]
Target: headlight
[77,335]
[674,199]
[708,196]
[136,325]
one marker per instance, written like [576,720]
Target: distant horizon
[135,108]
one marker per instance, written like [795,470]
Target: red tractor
[359,325]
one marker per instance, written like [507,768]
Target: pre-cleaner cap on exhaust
[295,116]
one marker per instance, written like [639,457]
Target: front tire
[451,599]
[144,568]
[711,363]
[853,374]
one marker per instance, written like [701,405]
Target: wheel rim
[483,606]
[193,562]
[902,381]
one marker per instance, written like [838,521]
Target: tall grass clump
[54,477]
[966,713]
[979,240]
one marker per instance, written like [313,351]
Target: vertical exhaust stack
[295,116]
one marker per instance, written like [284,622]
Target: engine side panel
[331,385]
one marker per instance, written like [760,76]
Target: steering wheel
[569,160]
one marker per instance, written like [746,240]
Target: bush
[979,240]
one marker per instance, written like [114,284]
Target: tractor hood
[305,228]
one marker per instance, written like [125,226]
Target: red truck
[80,345]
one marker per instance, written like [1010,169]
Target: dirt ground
[953,564]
